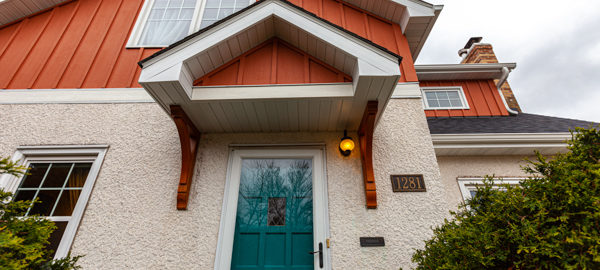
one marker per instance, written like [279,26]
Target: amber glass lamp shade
[346,145]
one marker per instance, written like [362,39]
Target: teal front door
[274,220]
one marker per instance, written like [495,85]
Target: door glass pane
[274,223]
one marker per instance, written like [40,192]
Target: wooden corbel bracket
[365,140]
[189,137]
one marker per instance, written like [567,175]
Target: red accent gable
[273,62]
[482,96]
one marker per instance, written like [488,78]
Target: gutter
[501,81]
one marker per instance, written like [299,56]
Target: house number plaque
[408,183]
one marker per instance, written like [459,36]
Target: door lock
[320,252]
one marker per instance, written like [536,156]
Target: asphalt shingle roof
[521,123]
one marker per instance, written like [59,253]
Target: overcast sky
[556,45]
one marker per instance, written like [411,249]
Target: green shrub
[550,221]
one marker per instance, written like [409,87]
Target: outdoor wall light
[346,145]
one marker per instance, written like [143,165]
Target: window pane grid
[169,21]
[219,9]
[37,191]
[58,200]
[444,99]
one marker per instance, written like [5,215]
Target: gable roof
[521,123]
[232,16]
[169,75]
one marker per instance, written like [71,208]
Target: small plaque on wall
[372,242]
[408,183]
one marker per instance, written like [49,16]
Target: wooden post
[189,137]
[365,139]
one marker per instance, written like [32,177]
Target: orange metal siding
[273,62]
[81,44]
[482,96]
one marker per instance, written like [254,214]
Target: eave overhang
[415,17]
[478,144]
[168,76]
[13,10]
[463,71]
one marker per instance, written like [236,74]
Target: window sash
[195,24]
[94,154]
[444,98]
[469,184]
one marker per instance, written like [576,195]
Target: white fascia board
[74,96]
[500,140]
[452,70]
[416,8]
[268,92]
[437,9]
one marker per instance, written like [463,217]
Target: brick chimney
[476,52]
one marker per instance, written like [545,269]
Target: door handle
[320,252]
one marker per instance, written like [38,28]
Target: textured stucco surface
[131,222]
[452,167]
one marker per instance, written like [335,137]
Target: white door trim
[230,199]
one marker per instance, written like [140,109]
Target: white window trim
[467,184]
[461,94]
[26,155]
[140,23]
[230,198]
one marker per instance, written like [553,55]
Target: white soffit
[499,143]
[169,76]
[12,10]
[415,17]
[462,71]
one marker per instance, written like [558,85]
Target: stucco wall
[131,221]
[452,167]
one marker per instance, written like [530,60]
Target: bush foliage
[23,240]
[550,221]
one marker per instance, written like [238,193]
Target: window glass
[57,187]
[168,22]
[443,99]
[219,9]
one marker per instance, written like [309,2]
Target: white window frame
[26,155]
[461,94]
[468,184]
[230,199]
[142,18]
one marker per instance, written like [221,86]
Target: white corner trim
[407,90]
[263,92]
[69,96]
[71,153]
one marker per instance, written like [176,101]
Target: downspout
[505,72]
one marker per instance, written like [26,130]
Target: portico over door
[274,211]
